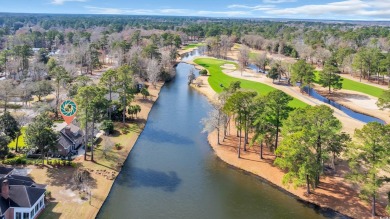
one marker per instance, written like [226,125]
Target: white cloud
[100,10]
[341,9]
[224,13]
[278,1]
[167,11]
[61,2]
[173,11]
[347,9]
[254,8]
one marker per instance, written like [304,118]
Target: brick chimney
[5,189]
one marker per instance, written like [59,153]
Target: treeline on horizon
[359,49]
[214,26]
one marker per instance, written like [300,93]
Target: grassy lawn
[60,180]
[193,45]
[21,143]
[218,77]
[357,86]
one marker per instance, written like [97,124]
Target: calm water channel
[359,116]
[173,173]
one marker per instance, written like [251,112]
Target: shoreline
[157,95]
[322,197]
[339,97]
[317,208]
[349,123]
[66,203]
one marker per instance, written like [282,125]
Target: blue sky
[312,9]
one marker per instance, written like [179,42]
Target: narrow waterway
[353,114]
[358,116]
[173,173]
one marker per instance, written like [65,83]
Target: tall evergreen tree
[369,160]
[125,87]
[329,77]
[277,110]
[303,73]
[9,126]
[61,77]
[92,106]
[240,105]
[313,128]
[384,100]
[41,136]
[296,154]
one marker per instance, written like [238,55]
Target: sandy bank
[349,124]
[334,191]
[357,101]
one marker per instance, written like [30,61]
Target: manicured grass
[21,143]
[218,77]
[190,46]
[357,86]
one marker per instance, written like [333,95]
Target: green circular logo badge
[68,108]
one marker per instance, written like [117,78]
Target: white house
[21,197]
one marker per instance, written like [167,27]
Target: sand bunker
[228,66]
[368,103]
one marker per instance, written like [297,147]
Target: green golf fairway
[218,77]
[349,84]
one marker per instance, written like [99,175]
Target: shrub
[125,130]
[10,155]
[73,164]
[388,209]
[203,72]
[107,126]
[145,93]
[11,106]
[56,162]
[118,146]
[15,161]
[48,194]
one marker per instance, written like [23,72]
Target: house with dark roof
[71,138]
[21,197]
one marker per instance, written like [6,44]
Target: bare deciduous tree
[191,76]
[107,145]
[243,57]
[226,43]
[214,121]
[261,60]
[153,70]
[6,91]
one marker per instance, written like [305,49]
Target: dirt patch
[334,191]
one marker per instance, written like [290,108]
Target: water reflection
[173,173]
[162,136]
[359,116]
[137,177]
[257,69]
